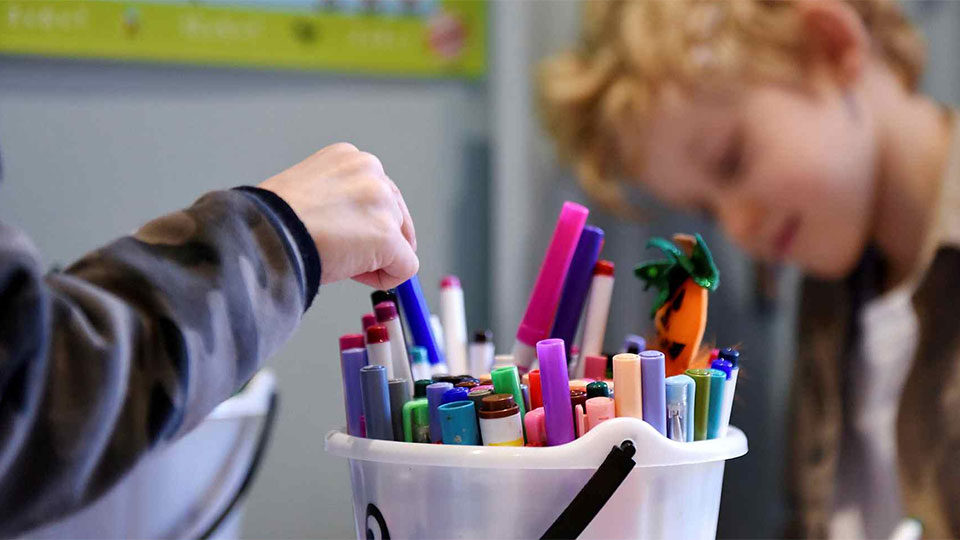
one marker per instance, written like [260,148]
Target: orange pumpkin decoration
[684,281]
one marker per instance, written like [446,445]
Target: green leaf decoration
[668,275]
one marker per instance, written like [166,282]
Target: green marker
[506,380]
[416,421]
[701,408]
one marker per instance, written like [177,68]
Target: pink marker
[536,425]
[581,423]
[599,409]
[542,307]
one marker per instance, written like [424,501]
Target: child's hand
[354,213]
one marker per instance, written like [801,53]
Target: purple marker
[576,285]
[555,388]
[351,360]
[654,394]
[434,400]
[633,344]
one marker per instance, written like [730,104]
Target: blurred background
[98,136]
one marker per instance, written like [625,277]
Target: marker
[579,384]
[598,309]
[701,404]
[626,380]
[652,368]
[436,328]
[535,427]
[368,320]
[378,348]
[484,387]
[481,352]
[727,368]
[419,365]
[351,341]
[576,285]
[730,387]
[525,392]
[715,412]
[681,395]
[458,421]
[398,397]
[502,360]
[454,394]
[536,396]
[434,396]
[453,318]
[379,297]
[418,319]
[376,402]
[467,384]
[506,380]
[416,421]
[538,317]
[386,313]
[420,388]
[578,400]
[555,386]
[580,419]
[476,395]
[598,389]
[351,360]
[500,423]
[594,367]
[599,409]
[633,344]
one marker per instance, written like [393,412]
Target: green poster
[412,38]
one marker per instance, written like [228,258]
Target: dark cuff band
[298,231]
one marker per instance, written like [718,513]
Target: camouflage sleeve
[135,343]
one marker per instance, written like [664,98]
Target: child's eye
[731,161]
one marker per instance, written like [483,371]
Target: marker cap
[555,386]
[449,281]
[420,388]
[634,344]
[416,413]
[701,406]
[598,389]
[603,268]
[731,355]
[723,365]
[579,384]
[458,422]
[434,399]
[626,380]
[454,394]
[399,394]
[376,402]
[385,311]
[351,361]
[467,384]
[418,355]
[377,297]
[368,319]
[536,395]
[377,334]
[476,395]
[482,336]
[599,409]
[653,368]
[595,367]
[351,341]
[498,406]
[535,426]
[681,396]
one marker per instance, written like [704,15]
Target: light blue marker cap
[458,421]
[717,380]
[681,392]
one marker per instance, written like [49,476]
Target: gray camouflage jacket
[132,345]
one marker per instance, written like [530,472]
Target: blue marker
[376,402]
[454,394]
[715,419]
[434,400]
[680,393]
[417,315]
[351,360]
[633,344]
[576,285]
[459,423]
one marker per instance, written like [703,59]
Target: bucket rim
[587,452]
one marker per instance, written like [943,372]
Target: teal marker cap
[458,422]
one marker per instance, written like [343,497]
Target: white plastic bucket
[441,491]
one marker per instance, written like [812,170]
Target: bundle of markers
[400,393]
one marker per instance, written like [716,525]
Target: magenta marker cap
[351,341]
[385,311]
[555,389]
[450,281]
[368,320]
[538,318]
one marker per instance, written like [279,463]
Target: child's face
[788,174]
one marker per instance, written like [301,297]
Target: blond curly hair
[630,48]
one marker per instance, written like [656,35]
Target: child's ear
[836,36]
